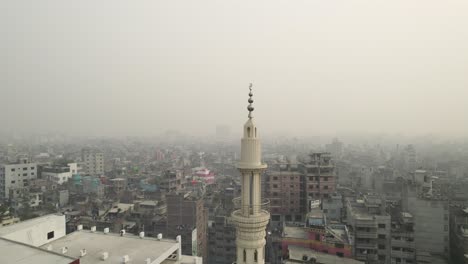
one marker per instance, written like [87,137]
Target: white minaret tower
[252,217]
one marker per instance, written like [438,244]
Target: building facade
[370,226]
[186,216]
[59,174]
[93,161]
[15,177]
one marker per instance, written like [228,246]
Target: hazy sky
[143,67]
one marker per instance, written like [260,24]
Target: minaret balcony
[251,208]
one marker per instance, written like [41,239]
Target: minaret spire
[250,107]
[251,216]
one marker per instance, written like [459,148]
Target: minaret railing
[251,208]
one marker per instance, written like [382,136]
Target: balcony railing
[363,234]
[251,208]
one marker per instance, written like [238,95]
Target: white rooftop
[19,253]
[30,223]
[96,243]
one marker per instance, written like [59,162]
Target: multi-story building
[459,235]
[93,161]
[221,240]
[59,174]
[283,186]
[431,216]
[186,216]
[402,242]
[370,226]
[292,187]
[172,181]
[319,173]
[15,177]
[333,207]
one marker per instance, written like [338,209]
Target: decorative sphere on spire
[250,107]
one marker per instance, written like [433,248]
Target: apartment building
[283,186]
[319,172]
[186,216]
[221,240]
[370,225]
[459,234]
[59,174]
[430,212]
[293,186]
[402,242]
[15,177]
[93,161]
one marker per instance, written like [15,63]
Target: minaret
[252,217]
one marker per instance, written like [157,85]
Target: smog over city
[234,131]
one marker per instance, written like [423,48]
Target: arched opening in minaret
[256,256]
[245,256]
[248,131]
[255,132]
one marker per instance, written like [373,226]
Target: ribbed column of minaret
[251,219]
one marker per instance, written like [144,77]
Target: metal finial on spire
[250,107]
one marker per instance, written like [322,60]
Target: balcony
[366,246]
[366,223]
[251,217]
[251,209]
[402,254]
[364,234]
[402,243]
[366,257]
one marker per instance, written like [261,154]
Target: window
[32,168]
[13,181]
[275,178]
[340,254]
[25,174]
[25,168]
[12,169]
[50,235]
[275,185]
[445,227]
[245,256]
[325,178]
[256,256]
[325,187]
[381,257]
[317,237]
[382,236]
[381,225]
[381,246]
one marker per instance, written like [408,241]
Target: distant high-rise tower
[252,217]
